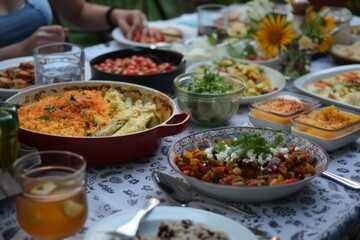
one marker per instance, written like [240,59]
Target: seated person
[25,24]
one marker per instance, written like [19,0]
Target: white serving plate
[246,193]
[187,33]
[303,81]
[151,222]
[275,77]
[14,62]
[329,144]
[258,122]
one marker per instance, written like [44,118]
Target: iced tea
[53,204]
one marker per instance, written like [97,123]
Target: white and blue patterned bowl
[204,139]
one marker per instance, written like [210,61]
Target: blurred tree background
[163,9]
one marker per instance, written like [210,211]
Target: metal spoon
[344,181]
[180,193]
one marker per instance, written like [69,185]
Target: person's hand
[130,21]
[44,35]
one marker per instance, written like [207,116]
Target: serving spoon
[181,194]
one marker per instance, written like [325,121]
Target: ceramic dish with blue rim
[150,224]
[205,139]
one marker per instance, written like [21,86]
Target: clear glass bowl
[277,112]
[208,109]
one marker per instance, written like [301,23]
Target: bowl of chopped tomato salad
[247,164]
[154,68]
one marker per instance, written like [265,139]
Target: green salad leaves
[211,82]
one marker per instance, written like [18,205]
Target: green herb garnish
[50,108]
[219,147]
[211,83]
[44,117]
[72,98]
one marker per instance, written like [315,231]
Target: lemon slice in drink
[43,189]
[72,208]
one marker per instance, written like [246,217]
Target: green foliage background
[173,8]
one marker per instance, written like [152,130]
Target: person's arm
[92,17]
[44,35]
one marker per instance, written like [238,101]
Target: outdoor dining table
[321,210]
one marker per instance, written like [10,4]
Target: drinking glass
[58,62]
[211,18]
[53,204]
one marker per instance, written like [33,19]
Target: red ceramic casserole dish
[106,150]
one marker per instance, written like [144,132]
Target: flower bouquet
[293,37]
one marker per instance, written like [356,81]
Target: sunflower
[274,33]
[327,23]
[324,44]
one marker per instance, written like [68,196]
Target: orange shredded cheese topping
[329,118]
[282,106]
[74,113]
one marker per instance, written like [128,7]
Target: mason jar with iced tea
[53,204]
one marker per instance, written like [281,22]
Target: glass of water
[58,62]
[212,18]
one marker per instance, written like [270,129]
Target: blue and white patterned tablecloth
[322,210]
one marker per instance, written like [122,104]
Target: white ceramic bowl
[247,193]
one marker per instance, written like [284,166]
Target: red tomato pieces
[282,169]
[153,36]
[134,65]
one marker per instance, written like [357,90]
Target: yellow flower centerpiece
[293,37]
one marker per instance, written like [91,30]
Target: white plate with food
[150,224]
[271,80]
[15,62]
[328,92]
[170,32]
